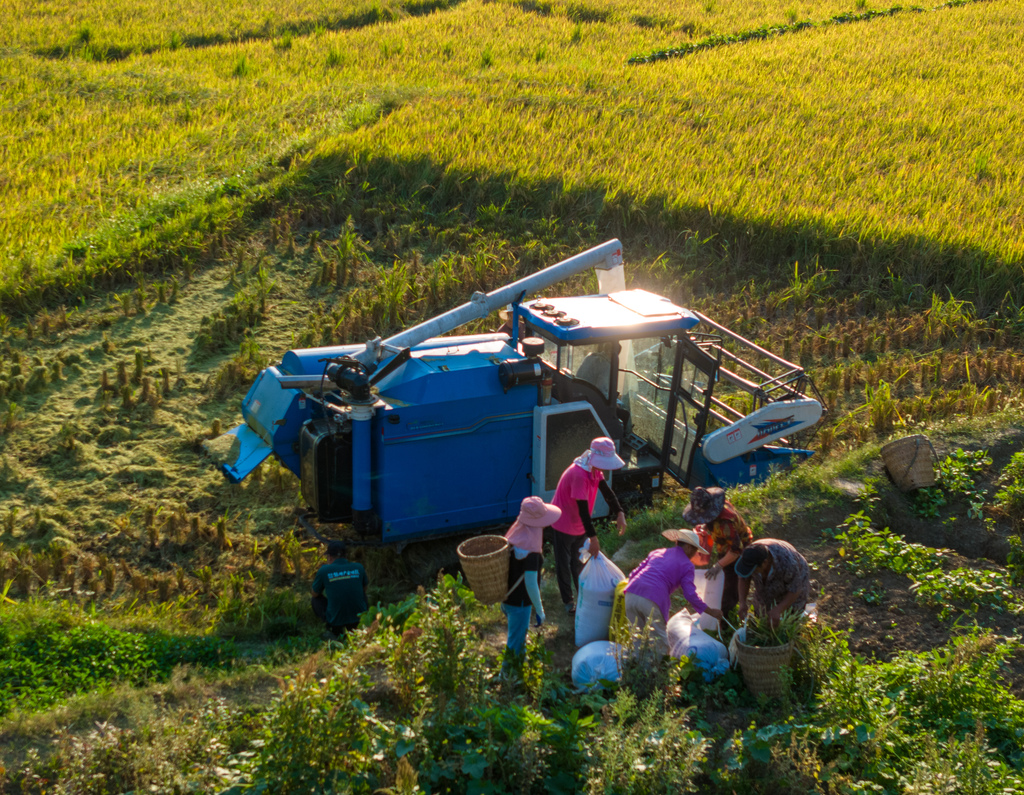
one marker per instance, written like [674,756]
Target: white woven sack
[595,599]
[711,592]
[595,662]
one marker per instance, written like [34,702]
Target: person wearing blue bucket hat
[780,576]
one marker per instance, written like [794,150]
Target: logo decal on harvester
[773,427]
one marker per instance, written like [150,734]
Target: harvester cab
[422,435]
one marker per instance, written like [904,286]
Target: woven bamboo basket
[909,461]
[761,666]
[485,563]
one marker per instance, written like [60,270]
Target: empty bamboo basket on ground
[909,461]
[485,563]
[761,666]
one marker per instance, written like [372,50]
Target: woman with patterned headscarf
[713,514]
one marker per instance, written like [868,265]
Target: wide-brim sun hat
[534,512]
[751,557]
[603,455]
[685,536]
[705,505]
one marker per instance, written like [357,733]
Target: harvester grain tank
[421,434]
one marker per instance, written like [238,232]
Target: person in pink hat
[575,496]
[526,538]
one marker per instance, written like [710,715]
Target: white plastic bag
[740,636]
[685,637]
[711,592]
[594,662]
[595,599]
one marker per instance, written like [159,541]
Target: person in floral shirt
[716,518]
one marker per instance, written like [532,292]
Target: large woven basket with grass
[761,666]
[909,461]
[485,563]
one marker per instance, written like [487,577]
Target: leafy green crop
[958,474]
[43,662]
[865,550]
[970,588]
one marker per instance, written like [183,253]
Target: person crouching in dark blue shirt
[339,591]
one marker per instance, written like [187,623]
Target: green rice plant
[12,416]
[803,289]
[882,408]
[335,58]
[243,67]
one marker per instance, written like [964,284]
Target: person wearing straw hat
[575,496]
[651,584]
[713,514]
[526,537]
[780,575]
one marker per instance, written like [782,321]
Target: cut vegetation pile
[188,193]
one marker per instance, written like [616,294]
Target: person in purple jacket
[650,586]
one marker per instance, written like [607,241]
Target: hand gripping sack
[595,599]
[594,662]
[711,592]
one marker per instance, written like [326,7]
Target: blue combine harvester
[423,435]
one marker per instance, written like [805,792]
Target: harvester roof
[626,314]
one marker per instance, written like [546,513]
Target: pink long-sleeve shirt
[660,574]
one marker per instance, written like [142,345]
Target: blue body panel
[451,449]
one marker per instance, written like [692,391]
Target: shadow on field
[82,44]
[417,206]
[390,197]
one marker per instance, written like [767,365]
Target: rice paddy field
[191,189]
